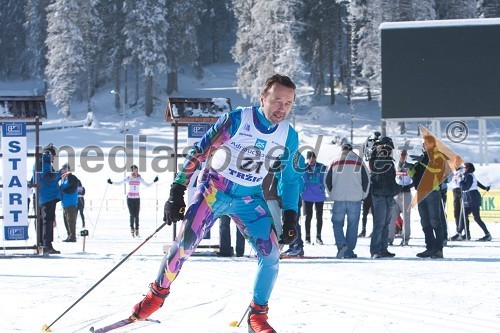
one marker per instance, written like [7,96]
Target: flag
[442,162]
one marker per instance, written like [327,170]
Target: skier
[134,182]
[250,139]
[471,204]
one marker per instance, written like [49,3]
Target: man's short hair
[277,78]
[430,138]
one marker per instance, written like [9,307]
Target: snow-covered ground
[460,293]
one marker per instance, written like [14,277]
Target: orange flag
[442,162]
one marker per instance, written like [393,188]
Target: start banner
[15,185]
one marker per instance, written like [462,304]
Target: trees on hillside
[266,42]
[79,46]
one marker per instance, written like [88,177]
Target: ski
[120,323]
[284,256]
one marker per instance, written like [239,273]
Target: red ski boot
[257,319]
[152,302]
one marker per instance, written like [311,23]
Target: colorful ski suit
[230,184]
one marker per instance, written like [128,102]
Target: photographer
[384,188]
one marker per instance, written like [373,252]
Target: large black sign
[441,69]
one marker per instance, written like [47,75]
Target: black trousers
[48,215]
[367,206]
[457,205]
[308,212]
[134,205]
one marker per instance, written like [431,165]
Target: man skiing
[247,140]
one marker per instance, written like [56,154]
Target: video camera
[370,143]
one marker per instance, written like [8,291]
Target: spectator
[69,194]
[403,200]
[81,202]
[348,184]
[134,182]
[225,239]
[472,203]
[313,195]
[48,196]
[384,188]
[427,175]
[367,207]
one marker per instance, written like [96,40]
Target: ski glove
[155,180]
[488,188]
[109,181]
[175,206]
[289,234]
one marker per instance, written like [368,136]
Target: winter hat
[66,166]
[346,146]
[470,167]
[386,141]
[50,149]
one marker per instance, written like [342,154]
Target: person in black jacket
[81,201]
[471,203]
[384,188]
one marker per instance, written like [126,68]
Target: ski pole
[46,328]
[99,213]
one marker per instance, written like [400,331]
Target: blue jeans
[384,210]
[431,210]
[339,210]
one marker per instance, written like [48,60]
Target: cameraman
[384,188]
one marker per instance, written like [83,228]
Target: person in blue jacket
[48,196]
[242,145]
[314,195]
[69,194]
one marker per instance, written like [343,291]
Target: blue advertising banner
[15,185]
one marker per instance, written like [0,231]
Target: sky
[459,293]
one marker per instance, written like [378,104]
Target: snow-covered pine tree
[12,39]
[216,32]
[36,33]
[146,31]
[184,18]
[92,35]
[112,57]
[65,52]
[456,9]
[266,43]
[488,8]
